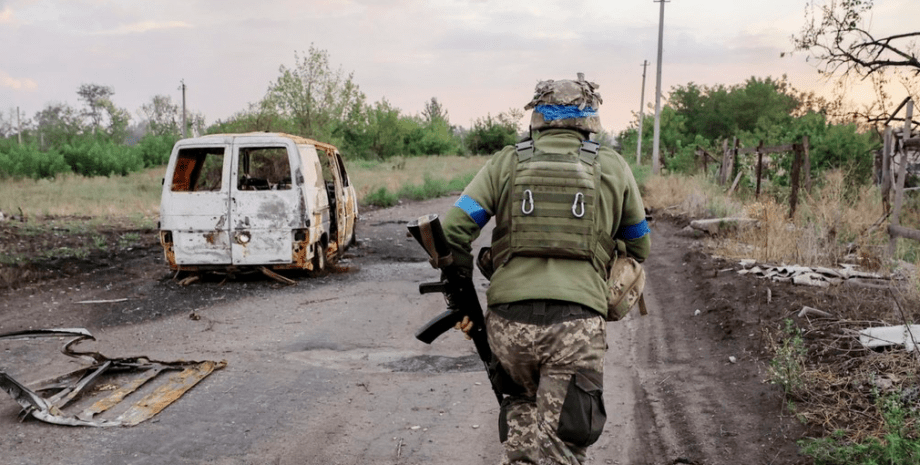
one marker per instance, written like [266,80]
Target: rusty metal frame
[64,389]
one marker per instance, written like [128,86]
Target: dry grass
[138,195]
[134,196]
[690,196]
[835,223]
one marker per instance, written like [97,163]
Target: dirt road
[328,371]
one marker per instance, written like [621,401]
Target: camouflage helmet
[566,104]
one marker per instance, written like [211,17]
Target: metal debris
[123,377]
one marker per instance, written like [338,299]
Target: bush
[381,197]
[90,157]
[489,135]
[155,150]
[27,161]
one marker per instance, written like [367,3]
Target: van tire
[319,258]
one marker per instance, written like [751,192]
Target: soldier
[561,202]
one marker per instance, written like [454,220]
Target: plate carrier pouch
[625,283]
[552,211]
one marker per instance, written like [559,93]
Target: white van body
[255,199]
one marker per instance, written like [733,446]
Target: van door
[264,205]
[194,203]
[349,202]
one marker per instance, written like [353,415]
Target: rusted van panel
[255,199]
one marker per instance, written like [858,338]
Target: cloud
[145,26]
[16,84]
[6,14]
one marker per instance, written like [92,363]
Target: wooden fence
[894,146]
[729,165]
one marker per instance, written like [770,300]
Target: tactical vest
[552,210]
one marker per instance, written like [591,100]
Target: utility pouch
[625,283]
[501,381]
[583,415]
[484,262]
[503,420]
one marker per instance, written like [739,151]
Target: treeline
[314,100]
[310,99]
[95,140]
[759,110]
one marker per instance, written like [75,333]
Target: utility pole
[641,115]
[656,143]
[18,125]
[184,125]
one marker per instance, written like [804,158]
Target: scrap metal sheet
[47,401]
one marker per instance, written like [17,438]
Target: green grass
[383,183]
[136,196]
[899,444]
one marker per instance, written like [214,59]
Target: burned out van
[232,201]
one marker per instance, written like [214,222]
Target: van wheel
[319,258]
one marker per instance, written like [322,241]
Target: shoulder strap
[524,150]
[588,151]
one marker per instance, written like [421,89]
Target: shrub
[155,150]
[381,197]
[27,161]
[102,158]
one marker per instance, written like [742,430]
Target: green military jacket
[620,211]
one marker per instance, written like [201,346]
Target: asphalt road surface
[328,371]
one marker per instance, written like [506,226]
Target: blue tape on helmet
[472,208]
[554,112]
[634,231]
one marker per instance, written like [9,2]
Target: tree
[94,95]
[119,119]
[58,124]
[313,95]
[721,112]
[836,33]
[490,134]
[162,116]
[434,111]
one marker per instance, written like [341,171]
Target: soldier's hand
[466,325]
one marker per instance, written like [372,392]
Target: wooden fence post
[735,164]
[759,168]
[794,179]
[902,175]
[885,186]
[726,163]
[807,164]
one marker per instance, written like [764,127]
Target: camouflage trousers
[560,368]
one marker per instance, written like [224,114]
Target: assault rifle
[458,291]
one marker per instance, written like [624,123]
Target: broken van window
[199,169]
[264,168]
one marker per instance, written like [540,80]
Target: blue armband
[473,209]
[634,231]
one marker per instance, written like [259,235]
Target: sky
[477,57]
